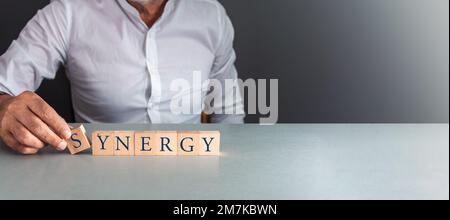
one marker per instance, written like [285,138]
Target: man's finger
[25,150]
[39,129]
[16,146]
[50,117]
[24,136]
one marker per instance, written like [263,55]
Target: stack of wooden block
[146,143]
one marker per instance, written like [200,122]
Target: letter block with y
[123,143]
[78,142]
[103,143]
[209,143]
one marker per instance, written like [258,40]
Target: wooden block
[103,143]
[188,143]
[78,142]
[167,143]
[209,143]
[145,144]
[123,143]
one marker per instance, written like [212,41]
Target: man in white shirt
[121,57]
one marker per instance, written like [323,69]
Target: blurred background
[341,61]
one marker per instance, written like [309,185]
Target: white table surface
[298,161]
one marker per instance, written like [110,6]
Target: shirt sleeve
[38,52]
[224,69]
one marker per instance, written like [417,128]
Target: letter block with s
[78,142]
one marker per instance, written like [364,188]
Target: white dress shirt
[119,69]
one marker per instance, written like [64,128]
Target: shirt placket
[151,55]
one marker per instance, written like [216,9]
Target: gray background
[338,61]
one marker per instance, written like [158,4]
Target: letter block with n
[123,143]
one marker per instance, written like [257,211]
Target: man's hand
[28,124]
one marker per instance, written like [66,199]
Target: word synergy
[146,143]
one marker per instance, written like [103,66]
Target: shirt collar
[134,16]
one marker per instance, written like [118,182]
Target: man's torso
[121,71]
